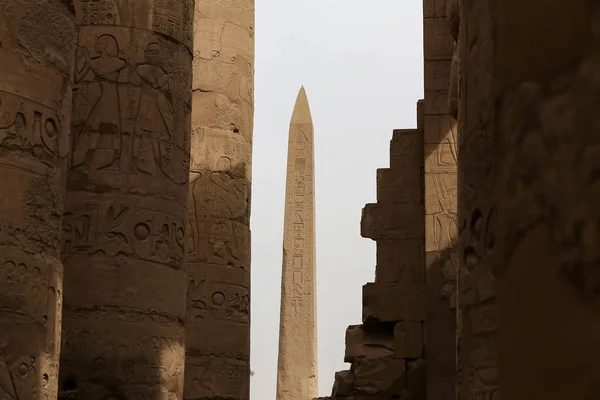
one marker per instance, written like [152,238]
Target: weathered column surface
[297,363]
[218,239]
[440,204]
[528,206]
[36,58]
[126,204]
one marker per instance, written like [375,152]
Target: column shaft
[528,204]
[36,61]
[126,204]
[218,241]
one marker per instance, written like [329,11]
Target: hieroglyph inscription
[28,126]
[128,111]
[300,257]
[218,201]
[121,230]
[222,300]
[165,17]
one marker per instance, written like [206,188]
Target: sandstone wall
[126,203]
[440,204]
[387,351]
[218,241]
[528,114]
[36,57]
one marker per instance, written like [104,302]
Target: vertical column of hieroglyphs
[126,203]
[218,297]
[440,204]
[297,361]
[36,59]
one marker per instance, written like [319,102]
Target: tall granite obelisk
[297,364]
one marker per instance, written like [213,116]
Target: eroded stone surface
[36,57]
[528,168]
[297,362]
[126,207]
[218,238]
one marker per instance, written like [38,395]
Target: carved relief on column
[218,240]
[126,208]
[477,349]
[36,61]
[440,202]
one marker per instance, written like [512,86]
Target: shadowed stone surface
[297,363]
[36,57]
[440,202]
[218,235]
[126,202]
[528,205]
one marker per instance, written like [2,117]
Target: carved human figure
[101,132]
[227,194]
[151,125]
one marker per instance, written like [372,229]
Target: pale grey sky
[361,65]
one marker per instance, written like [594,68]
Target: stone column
[126,205]
[218,241]
[36,61]
[440,204]
[528,206]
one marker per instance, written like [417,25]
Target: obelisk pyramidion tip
[301,114]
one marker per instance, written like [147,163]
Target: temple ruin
[125,176]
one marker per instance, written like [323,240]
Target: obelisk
[297,364]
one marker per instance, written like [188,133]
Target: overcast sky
[361,65]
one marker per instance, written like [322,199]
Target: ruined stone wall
[387,351]
[126,204]
[440,203]
[36,58]
[218,241]
[528,112]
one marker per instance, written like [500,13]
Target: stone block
[436,102]
[437,74]
[442,231]
[438,43]
[400,185]
[393,302]
[401,261]
[343,384]
[441,193]
[440,129]
[380,377]
[393,221]
[441,157]
[368,342]
[408,337]
[406,148]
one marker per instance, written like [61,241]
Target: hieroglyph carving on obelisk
[297,366]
